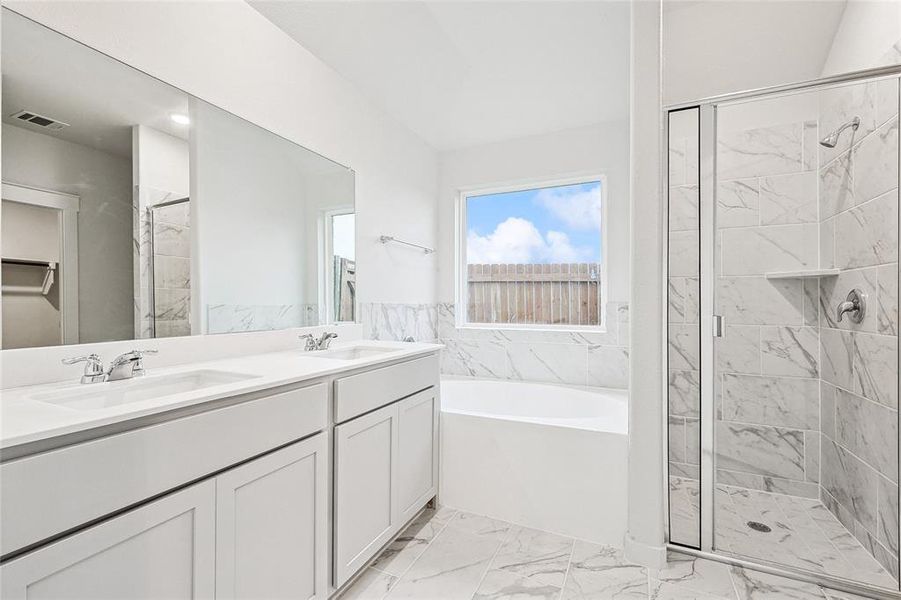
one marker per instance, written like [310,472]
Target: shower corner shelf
[809,274]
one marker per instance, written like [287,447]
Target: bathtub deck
[453,555]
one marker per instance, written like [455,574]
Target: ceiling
[461,73]
[100,98]
[713,47]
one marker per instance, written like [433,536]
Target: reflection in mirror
[133,210]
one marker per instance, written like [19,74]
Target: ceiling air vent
[39,120]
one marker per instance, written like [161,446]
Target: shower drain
[762,528]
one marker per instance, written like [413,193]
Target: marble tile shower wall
[859,389]
[767,363]
[171,263]
[173,268]
[566,357]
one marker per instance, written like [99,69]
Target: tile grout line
[829,539]
[569,563]
[494,556]
[415,560]
[852,536]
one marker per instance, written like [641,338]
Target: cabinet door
[417,460]
[271,518]
[165,549]
[366,514]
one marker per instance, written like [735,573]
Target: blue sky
[546,225]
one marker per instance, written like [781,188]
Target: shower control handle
[855,306]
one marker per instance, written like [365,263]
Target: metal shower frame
[707,112]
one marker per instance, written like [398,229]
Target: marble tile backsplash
[233,318]
[595,358]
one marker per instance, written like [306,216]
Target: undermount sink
[354,353]
[96,396]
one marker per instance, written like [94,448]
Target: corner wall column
[645,539]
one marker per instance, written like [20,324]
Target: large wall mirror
[131,209]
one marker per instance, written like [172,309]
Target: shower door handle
[718,326]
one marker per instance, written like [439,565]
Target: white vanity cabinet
[164,549]
[365,489]
[417,452]
[282,493]
[271,523]
[385,460]
[255,531]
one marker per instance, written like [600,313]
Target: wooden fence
[557,294]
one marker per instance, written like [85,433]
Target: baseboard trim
[646,555]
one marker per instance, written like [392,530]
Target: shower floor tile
[453,555]
[803,533]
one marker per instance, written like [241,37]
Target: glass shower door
[806,371]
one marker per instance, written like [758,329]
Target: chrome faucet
[93,368]
[854,306]
[312,343]
[125,366]
[128,365]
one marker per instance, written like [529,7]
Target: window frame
[460,260]
[326,274]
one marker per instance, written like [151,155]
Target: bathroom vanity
[277,475]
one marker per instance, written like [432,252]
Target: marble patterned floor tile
[697,574]
[662,590]
[754,585]
[451,568]
[482,526]
[506,585]
[805,535]
[397,557]
[601,572]
[471,561]
[535,556]
[371,585]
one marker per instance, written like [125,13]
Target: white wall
[869,35]
[601,149]
[103,182]
[230,55]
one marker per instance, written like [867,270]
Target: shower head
[832,139]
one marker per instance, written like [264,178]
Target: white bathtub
[545,456]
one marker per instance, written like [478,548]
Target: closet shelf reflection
[43,289]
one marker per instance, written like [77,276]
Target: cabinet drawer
[367,391]
[46,494]
[164,549]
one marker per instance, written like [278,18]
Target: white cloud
[518,241]
[577,208]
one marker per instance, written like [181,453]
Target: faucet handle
[310,341]
[141,353]
[91,359]
[139,359]
[93,369]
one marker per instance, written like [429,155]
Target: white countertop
[24,419]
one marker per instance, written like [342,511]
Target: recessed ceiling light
[180,119]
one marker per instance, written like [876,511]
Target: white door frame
[68,206]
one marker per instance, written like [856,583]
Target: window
[533,255]
[340,267]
